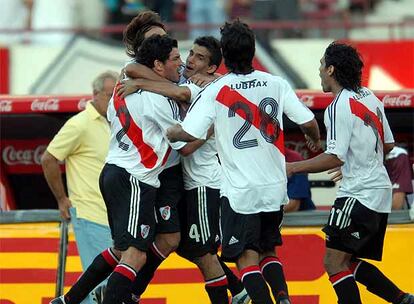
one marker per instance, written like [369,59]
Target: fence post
[63,250]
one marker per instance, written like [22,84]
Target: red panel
[305,299]
[4,70]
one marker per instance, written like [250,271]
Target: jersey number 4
[268,124]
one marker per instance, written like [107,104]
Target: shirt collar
[92,112]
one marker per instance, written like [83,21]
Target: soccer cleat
[407,299]
[98,294]
[241,298]
[60,300]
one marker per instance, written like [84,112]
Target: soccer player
[246,108]
[202,176]
[358,136]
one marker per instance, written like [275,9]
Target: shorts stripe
[202,214]
[347,215]
[134,207]
[345,209]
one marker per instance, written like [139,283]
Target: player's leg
[167,228]
[240,244]
[369,275]
[270,265]
[343,239]
[214,277]
[134,232]
[235,285]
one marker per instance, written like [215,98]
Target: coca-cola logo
[6,106]
[12,156]
[308,100]
[82,104]
[403,100]
[45,105]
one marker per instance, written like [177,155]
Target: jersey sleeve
[67,140]
[201,115]
[165,110]
[295,109]
[194,89]
[339,128]
[388,137]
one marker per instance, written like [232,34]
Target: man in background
[298,187]
[83,144]
[399,170]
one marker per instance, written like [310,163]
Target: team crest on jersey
[165,212]
[332,144]
[145,231]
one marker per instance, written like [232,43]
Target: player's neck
[336,89]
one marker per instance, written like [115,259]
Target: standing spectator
[246,108]
[83,143]
[358,136]
[298,187]
[400,172]
[205,16]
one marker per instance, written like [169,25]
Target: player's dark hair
[213,47]
[238,47]
[347,63]
[153,48]
[134,33]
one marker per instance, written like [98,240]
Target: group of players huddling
[196,161]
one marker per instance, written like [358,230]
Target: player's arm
[320,163]
[169,89]
[137,70]
[177,133]
[388,137]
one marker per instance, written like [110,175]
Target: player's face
[155,30]
[172,66]
[323,74]
[198,61]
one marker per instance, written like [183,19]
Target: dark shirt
[298,184]
[399,170]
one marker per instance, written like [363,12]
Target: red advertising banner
[72,104]
[4,70]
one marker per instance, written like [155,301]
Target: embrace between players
[155,152]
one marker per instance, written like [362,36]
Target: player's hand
[64,205]
[312,145]
[201,80]
[289,169]
[336,174]
[127,87]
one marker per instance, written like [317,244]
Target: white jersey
[247,114]
[201,168]
[138,126]
[357,129]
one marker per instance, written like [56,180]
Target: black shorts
[130,207]
[169,195]
[356,229]
[199,217]
[259,232]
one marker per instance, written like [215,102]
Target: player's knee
[333,266]
[168,242]
[134,258]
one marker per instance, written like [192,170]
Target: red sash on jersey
[227,97]
[148,156]
[367,116]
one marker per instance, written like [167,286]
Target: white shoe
[59,300]
[241,298]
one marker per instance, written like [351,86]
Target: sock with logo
[98,270]
[146,273]
[272,270]
[345,287]
[217,290]
[255,285]
[375,281]
[118,289]
[234,283]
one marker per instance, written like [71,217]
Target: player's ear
[330,70]
[158,65]
[211,69]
